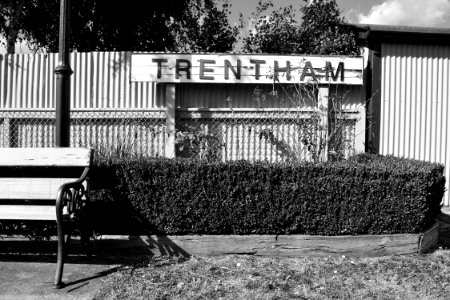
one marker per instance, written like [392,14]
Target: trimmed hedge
[367,194]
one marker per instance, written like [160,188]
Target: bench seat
[31,188]
[46,184]
[28,212]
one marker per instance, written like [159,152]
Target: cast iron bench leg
[61,243]
[85,236]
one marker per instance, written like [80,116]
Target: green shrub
[368,194]
[109,209]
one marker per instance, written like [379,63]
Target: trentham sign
[243,68]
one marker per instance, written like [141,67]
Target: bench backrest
[41,157]
[32,176]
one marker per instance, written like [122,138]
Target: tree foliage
[115,25]
[322,30]
[11,12]
[204,27]
[276,33]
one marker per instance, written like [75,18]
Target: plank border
[275,246]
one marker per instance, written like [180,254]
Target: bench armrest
[71,195]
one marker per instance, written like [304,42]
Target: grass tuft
[250,277]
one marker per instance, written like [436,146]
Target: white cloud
[430,13]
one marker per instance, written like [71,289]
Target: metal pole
[63,72]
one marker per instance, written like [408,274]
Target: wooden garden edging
[276,246]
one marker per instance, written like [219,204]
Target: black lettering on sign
[183,65]
[159,61]
[204,70]
[308,70]
[257,63]
[287,70]
[334,76]
[236,72]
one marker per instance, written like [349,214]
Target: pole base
[59,286]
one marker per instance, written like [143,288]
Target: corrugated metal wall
[275,136]
[414,108]
[108,110]
[138,130]
[100,80]
[243,96]
[106,106]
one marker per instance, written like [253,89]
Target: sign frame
[246,68]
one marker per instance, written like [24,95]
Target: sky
[422,13]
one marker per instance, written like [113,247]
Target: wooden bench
[46,184]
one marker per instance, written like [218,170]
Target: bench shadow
[121,250]
[119,253]
[148,245]
[84,281]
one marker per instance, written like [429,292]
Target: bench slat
[27,212]
[41,172]
[31,188]
[74,157]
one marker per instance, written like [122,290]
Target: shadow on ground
[110,250]
[27,268]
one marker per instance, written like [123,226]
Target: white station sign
[242,68]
